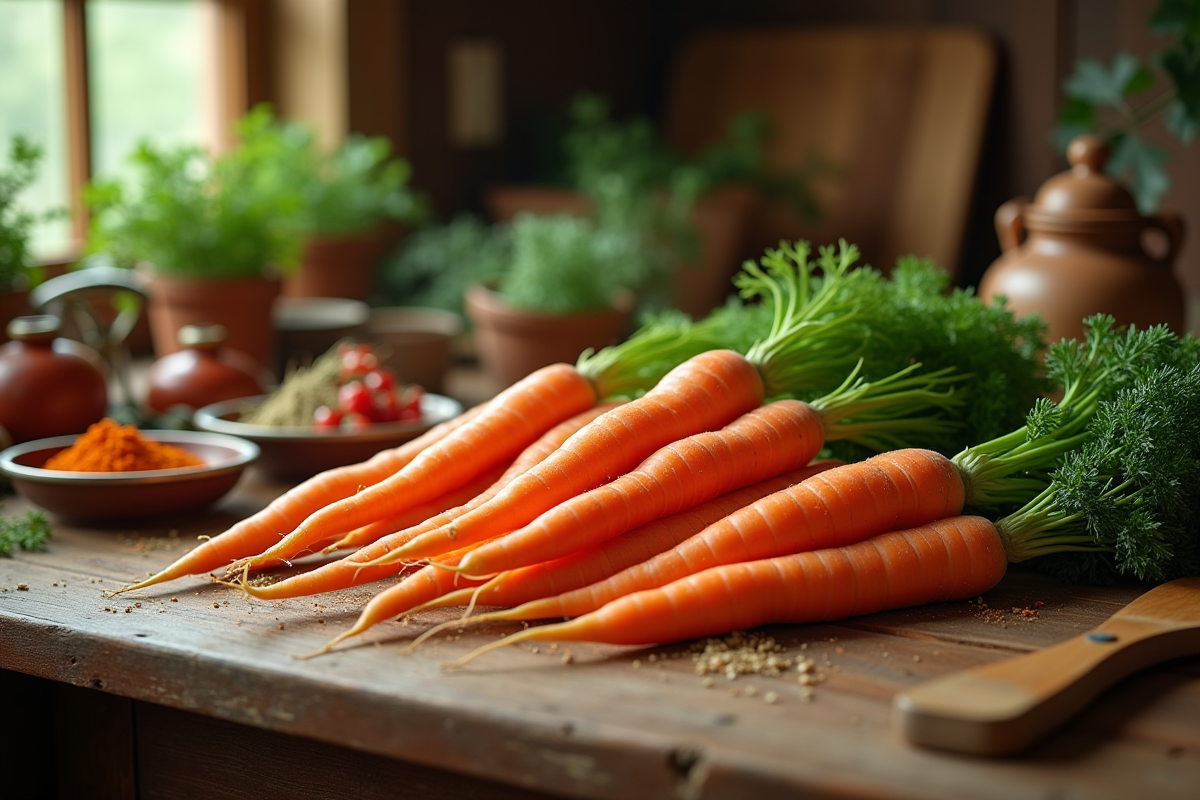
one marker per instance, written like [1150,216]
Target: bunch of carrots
[675,486]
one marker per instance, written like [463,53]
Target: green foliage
[1117,99]
[599,149]
[187,213]
[1012,468]
[16,224]
[248,210]
[563,264]
[434,265]
[1126,502]
[30,532]
[347,191]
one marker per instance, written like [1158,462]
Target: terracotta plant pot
[336,267]
[242,305]
[512,342]
[416,343]
[721,219]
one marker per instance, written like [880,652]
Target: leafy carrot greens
[1126,502]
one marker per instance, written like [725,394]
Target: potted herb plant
[213,237]
[702,205]
[570,284]
[18,271]
[356,198]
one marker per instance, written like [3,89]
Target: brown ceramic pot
[203,372]
[336,267]
[512,342]
[241,305]
[1080,249]
[49,386]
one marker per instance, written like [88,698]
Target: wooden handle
[1004,707]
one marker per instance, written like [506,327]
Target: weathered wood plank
[598,727]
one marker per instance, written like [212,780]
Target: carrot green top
[1126,500]
[1009,470]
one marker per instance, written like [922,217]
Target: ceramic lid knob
[1084,193]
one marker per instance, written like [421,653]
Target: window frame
[242,62]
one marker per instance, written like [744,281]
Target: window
[89,79]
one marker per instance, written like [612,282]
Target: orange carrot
[758,445]
[509,590]
[509,423]
[353,570]
[413,590]
[840,506]
[599,561]
[944,560]
[372,532]
[704,393]
[263,529]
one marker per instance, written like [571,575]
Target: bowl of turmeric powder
[115,472]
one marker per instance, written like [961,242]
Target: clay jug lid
[1084,193]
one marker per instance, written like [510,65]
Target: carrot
[599,561]
[374,531]
[508,423]
[840,506]
[944,560]
[263,529]
[758,445]
[509,590]
[353,570]
[414,589]
[702,394]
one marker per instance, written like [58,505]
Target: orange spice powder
[108,446]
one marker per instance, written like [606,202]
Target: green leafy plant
[17,267]
[187,213]
[563,264]
[434,265]
[599,150]
[348,191]
[1117,100]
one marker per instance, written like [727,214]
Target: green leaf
[1140,163]
[1177,17]
[1183,65]
[1180,123]
[1096,83]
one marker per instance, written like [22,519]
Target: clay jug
[1080,249]
[49,386]
[205,371]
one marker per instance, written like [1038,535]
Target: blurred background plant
[1119,99]
[18,268]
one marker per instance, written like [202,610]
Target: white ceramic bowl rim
[244,452]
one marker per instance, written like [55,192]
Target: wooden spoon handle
[1003,707]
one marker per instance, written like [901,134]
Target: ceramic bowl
[100,497]
[295,453]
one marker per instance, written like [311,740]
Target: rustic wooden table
[194,689]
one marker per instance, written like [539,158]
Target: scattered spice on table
[108,446]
